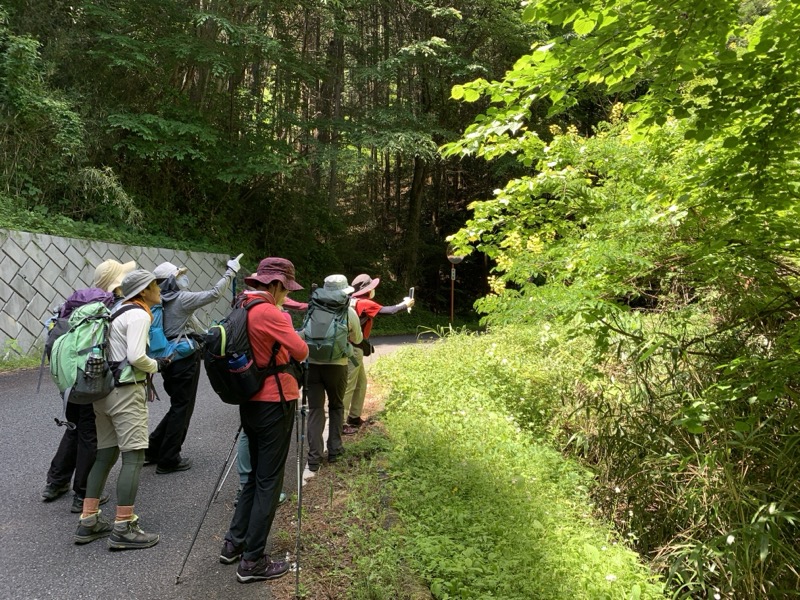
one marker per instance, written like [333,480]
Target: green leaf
[471,95]
[584,25]
[457,93]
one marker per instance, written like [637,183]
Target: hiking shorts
[121,419]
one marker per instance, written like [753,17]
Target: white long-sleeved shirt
[128,338]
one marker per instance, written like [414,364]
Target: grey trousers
[330,380]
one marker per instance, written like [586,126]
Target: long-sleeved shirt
[180,304]
[368,309]
[127,339]
[267,324]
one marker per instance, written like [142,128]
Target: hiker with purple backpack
[76,452]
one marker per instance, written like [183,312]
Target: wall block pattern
[38,271]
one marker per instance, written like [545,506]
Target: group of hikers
[147,305]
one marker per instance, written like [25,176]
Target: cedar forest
[623,171]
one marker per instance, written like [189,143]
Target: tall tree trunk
[415,196]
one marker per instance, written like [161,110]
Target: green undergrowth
[488,509]
[12,357]
[40,220]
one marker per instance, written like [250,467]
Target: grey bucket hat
[135,282]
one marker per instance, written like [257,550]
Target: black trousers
[180,382]
[77,450]
[268,426]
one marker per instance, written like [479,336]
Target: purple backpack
[84,296]
[60,322]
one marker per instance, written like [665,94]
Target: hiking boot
[261,569]
[52,491]
[357,422]
[183,465]
[229,553]
[348,429]
[127,535]
[77,503]
[332,458]
[313,467]
[92,528]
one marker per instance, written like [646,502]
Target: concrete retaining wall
[38,271]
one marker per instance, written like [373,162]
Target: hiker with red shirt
[366,309]
[267,419]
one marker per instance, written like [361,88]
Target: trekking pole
[210,500]
[228,472]
[300,435]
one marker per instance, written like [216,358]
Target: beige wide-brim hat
[109,274]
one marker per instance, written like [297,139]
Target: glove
[163,363]
[233,264]
[409,302]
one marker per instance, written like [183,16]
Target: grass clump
[489,509]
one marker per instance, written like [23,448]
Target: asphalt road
[38,558]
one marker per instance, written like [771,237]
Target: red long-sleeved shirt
[266,324]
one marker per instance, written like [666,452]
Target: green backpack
[79,361]
[325,328]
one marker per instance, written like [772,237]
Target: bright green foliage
[670,235]
[486,512]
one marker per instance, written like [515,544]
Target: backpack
[229,362]
[58,324]
[79,362]
[325,328]
[159,345]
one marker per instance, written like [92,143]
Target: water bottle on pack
[238,362]
[95,363]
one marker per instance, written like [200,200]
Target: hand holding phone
[410,299]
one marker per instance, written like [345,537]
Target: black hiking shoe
[127,535]
[183,465]
[229,553]
[77,503]
[52,491]
[92,528]
[261,569]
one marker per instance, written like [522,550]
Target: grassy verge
[12,357]
[449,497]
[487,511]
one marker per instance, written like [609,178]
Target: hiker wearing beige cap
[327,369]
[182,376]
[76,451]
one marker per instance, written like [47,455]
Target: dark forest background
[303,129]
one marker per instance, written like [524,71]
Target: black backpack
[229,362]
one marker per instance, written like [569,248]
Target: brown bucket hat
[363,284]
[271,269]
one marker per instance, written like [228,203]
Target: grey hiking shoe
[127,535]
[261,569]
[52,491]
[92,528]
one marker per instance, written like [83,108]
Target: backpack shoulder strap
[123,309]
